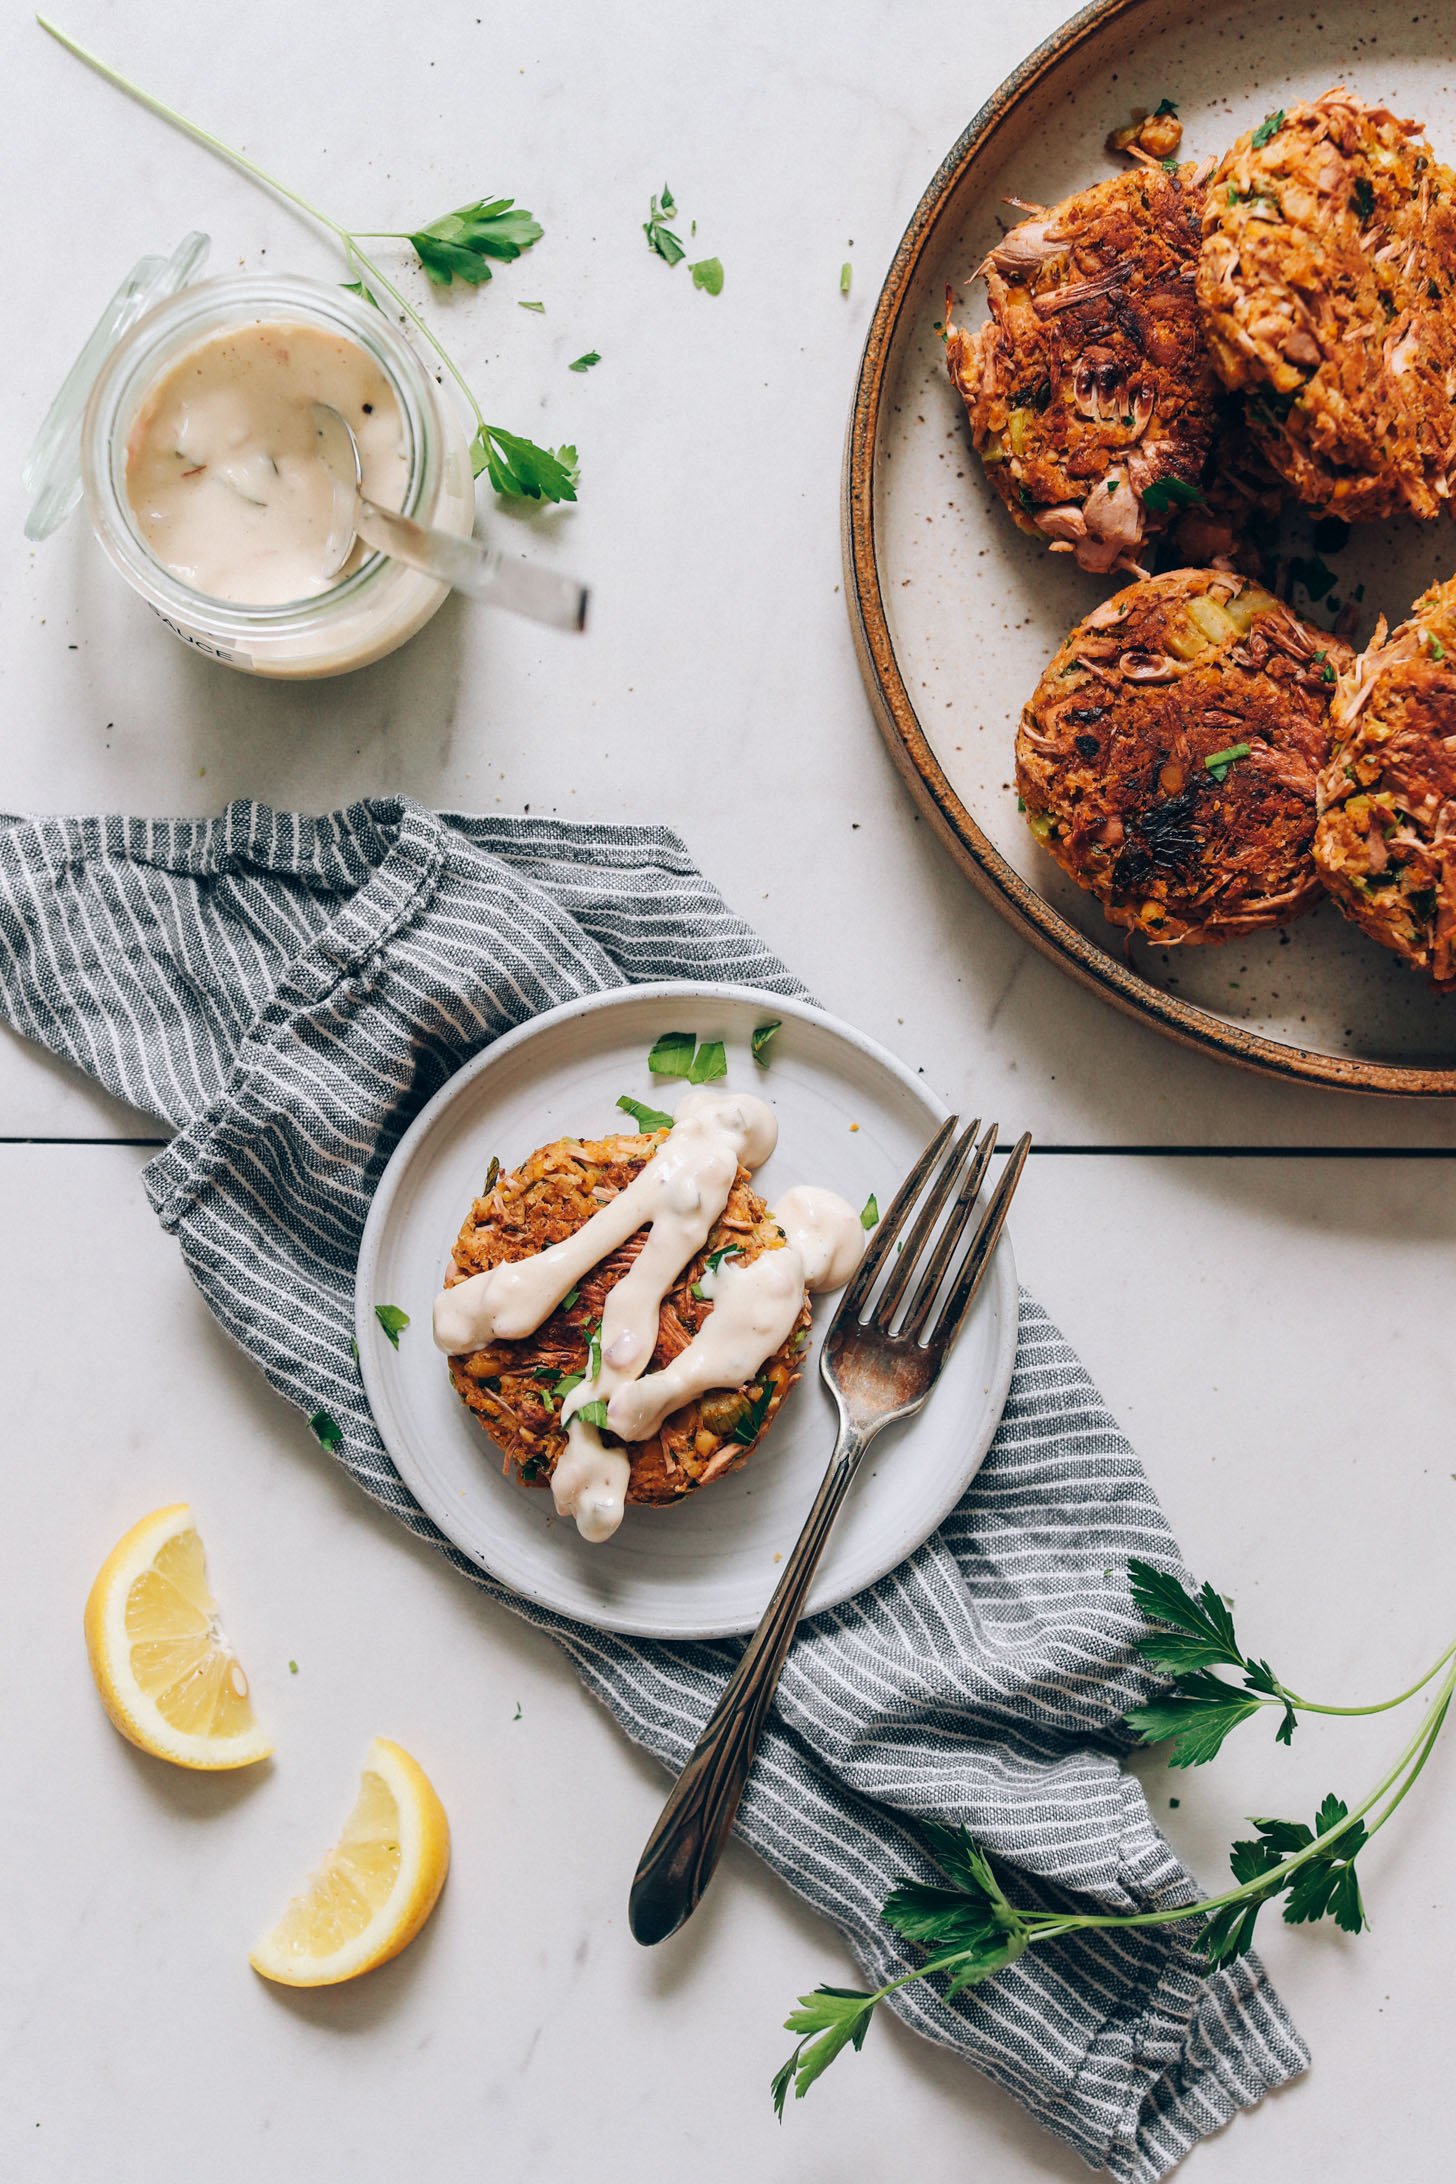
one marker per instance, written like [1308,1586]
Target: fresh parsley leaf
[944,1917]
[1435,647]
[870,1212]
[1166,493]
[659,236]
[829,2020]
[1205,1620]
[763,1039]
[585,363]
[715,1258]
[672,1054]
[1268,127]
[329,1431]
[1230,1933]
[562,1388]
[293,1668]
[593,1414]
[392,1320]
[532,307]
[1196,1717]
[1164,106]
[709,1063]
[519,470]
[846,275]
[570,1298]
[646,1118]
[460,245]
[357,288]
[708,275]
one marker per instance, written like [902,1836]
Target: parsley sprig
[969,1929]
[456,245]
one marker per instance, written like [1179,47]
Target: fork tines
[944,1184]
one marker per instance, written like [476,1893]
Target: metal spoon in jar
[466,564]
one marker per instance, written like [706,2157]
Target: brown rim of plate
[1019,902]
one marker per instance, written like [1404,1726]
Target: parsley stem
[357,257]
[1312,1706]
[1414,1757]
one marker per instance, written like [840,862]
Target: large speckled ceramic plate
[851,1117]
[956,614]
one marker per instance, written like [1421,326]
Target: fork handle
[684,1848]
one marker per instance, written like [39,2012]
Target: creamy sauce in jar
[677,1196]
[224,471]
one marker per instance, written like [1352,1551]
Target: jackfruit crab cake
[516,1388]
[1385,845]
[1325,280]
[1090,391]
[1169,755]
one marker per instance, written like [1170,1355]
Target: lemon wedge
[166,1674]
[377,1886]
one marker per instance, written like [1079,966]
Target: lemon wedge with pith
[377,1886]
[166,1674]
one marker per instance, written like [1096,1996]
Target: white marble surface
[1270,1330]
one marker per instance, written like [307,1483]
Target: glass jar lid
[52,471]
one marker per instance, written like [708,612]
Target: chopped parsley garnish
[752,1418]
[329,1431]
[585,363]
[646,1118]
[392,1320]
[672,1054]
[763,1040]
[711,1265]
[709,1063]
[1269,126]
[708,274]
[572,1294]
[293,1668]
[1434,646]
[846,275]
[659,236]
[460,245]
[593,1414]
[594,1353]
[1166,493]
[492,1173]
[871,1212]
[1218,762]
[1362,197]
[677,1054]
[532,307]
[1164,106]
[562,1388]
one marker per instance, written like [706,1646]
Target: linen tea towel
[287,992]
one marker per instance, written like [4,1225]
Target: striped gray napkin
[287,992]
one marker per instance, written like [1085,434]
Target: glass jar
[368,612]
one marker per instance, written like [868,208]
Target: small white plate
[850,1117]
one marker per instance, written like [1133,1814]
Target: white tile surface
[1271,1332]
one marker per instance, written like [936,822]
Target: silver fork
[878,1372]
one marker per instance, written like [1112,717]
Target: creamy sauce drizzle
[224,468]
[677,1196]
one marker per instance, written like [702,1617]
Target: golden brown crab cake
[1169,756]
[515,1388]
[1385,845]
[1090,392]
[1325,281]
